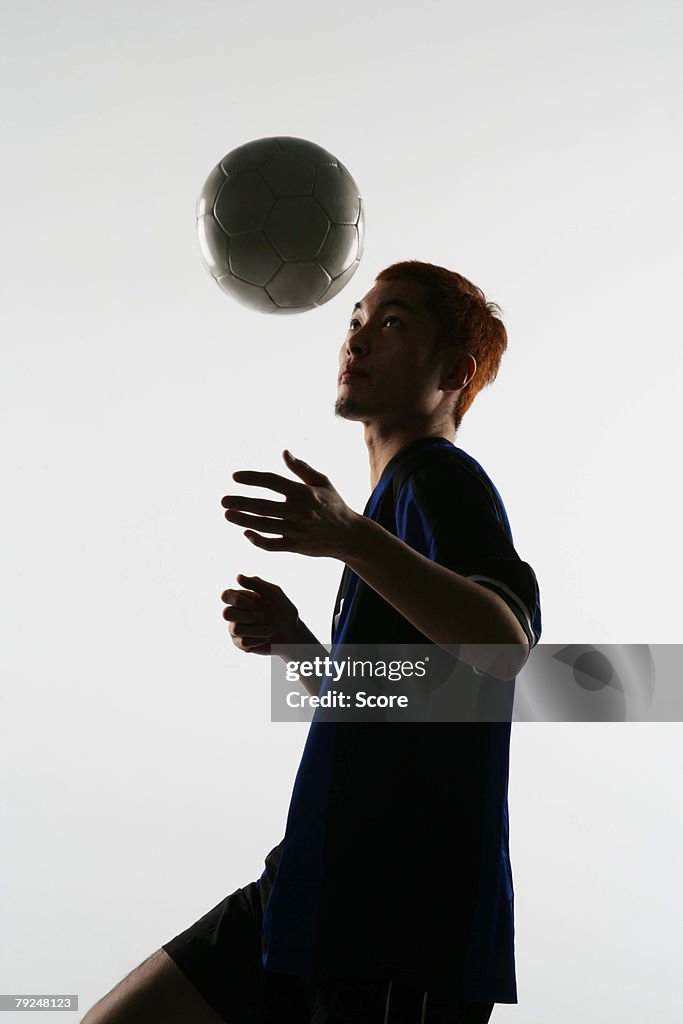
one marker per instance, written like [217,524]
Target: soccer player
[390,898]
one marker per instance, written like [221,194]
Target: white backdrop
[533,148]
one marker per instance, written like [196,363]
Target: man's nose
[358,342]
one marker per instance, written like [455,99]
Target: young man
[390,897]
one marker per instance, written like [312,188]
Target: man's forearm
[446,607]
[304,636]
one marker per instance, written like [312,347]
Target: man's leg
[155,992]
[209,973]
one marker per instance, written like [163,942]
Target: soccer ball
[280,225]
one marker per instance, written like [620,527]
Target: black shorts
[220,954]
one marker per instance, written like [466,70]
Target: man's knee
[154,992]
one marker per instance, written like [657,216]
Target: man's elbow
[510,658]
[502,660]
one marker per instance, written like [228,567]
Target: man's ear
[460,372]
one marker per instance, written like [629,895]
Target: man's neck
[383,445]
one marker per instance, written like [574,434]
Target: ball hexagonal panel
[297,227]
[243,203]
[312,150]
[289,174]
[214,245]
[249,156]
[246,294]
[298,284]
[339,249]
[253,258]
[293,310]
[337,193]
[210,189]
[340,282]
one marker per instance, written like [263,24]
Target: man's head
[425,355]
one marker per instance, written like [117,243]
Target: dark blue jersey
[395,861]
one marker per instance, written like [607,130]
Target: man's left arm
[447,607]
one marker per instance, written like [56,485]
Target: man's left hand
[312,520]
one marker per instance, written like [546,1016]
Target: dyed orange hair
[467,320]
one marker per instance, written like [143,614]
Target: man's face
[389,353]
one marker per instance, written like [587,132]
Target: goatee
[347,408]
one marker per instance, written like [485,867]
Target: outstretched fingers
[263,505]
[255,583]
[264,523]
[271,480]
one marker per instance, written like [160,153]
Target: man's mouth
[348,375]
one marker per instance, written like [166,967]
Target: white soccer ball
[281,224]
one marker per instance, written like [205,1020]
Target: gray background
[533,147]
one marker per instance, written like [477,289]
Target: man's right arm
[314,650]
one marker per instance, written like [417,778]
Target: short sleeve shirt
[395,861]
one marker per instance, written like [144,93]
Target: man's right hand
[260,615]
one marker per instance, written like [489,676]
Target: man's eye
[391,317]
